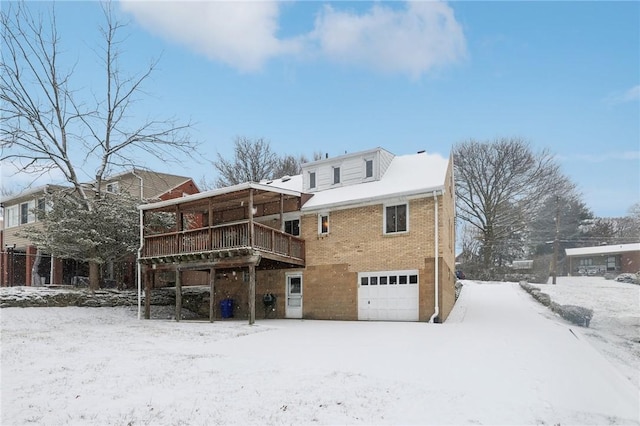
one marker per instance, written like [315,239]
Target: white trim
[372,201]
[384,218]
[294,311]
[320,216]
[333,175]
[366,178]
[315,178]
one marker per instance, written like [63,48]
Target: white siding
[352,169]
[385,160]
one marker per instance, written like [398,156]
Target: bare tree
[45,122]
[500,184]
[253,161]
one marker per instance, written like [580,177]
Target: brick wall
[630,262]
[356,243]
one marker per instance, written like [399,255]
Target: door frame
[294,311]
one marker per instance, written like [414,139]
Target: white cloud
[240,34]
[411,39]
[630,95]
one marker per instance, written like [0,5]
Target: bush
[576,314]
[541,297]
[628,278]
[528,287]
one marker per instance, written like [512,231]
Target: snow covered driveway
[498,360]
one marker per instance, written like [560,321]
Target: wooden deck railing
[223,237]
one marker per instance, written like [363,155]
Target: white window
[586,262]
[312,180]
[323,223]
[11,216]
[113,187]
[368,168]
[396,219]
[336,175]
[27,213]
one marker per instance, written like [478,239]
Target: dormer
[348,169]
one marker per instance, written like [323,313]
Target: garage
[388,295]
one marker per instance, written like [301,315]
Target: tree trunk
[94,276]
[35,277]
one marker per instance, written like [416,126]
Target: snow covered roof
[407,175]
[608,249]
[30,193]
[218,191]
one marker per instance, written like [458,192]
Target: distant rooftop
[606,249]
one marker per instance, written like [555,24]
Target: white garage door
[388,295]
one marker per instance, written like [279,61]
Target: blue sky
[349,76]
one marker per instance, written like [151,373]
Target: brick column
[57,272]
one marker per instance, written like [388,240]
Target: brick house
[600,260]
[362,236]
[19,256]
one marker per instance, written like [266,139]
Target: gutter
[138,266]
[436,309]
[371,200]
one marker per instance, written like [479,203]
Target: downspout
[138,267]
[436,308]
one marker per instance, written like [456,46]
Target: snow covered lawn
[615,327]
[500,359]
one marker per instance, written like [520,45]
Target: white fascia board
[218,191]
[380,199]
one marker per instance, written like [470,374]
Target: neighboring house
[22,264]
[522,266]
[599,260]
[363,236]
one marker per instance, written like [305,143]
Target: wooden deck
[223,241]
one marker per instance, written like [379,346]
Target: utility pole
[556,243]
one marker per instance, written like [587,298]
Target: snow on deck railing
[223,237]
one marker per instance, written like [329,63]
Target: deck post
[212,278]
[252,293]
[148,277]
[251,229]
[281,212]
[178,295]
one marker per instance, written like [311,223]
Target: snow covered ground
[501,358]
[615,327]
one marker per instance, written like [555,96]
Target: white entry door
[293,306]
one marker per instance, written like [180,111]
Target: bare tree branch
[499,187]
[45,123]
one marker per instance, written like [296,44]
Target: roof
[28,194]
[407,176]
[218,191]
[608,249]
